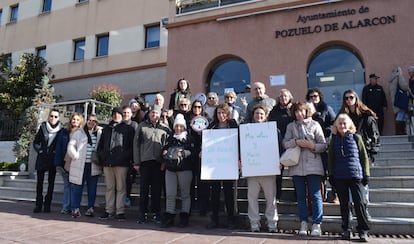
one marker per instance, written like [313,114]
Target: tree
[109,94]
[18,89]
[45,94]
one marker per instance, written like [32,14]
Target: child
[348,167]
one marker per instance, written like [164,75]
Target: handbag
[401,99]
[172,160]
[290,157]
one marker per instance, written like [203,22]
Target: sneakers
[272,227]
[142,219]
[127,203]
[106,216]
[255,227]
[120,217]
[346,235]
[65,211]
[156,218]
[363,237]
[316,230]
[76,213]
[89,212]
[303,228]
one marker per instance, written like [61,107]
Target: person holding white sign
[267,183]
[222,120]
[308,135]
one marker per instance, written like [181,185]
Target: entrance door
[334,70]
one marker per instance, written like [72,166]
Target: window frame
[39,50]
[14,13]
[100,38]
[47,6]
[147,35]
[76,48]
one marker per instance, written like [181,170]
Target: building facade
[90,42]
[333,45]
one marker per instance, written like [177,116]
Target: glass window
[1,15]
[41,52]
[102,45]
[79,52]
[229,74]
[81,1]
[14,13]
[47,5]
[6,62]
[152,36]
[334,70]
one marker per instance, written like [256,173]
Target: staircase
[391,193]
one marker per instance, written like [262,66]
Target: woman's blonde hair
[346,118]
[81,122]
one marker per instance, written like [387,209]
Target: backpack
[369,131]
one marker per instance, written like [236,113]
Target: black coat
[45,153]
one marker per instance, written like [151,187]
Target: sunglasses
[211,98]
[349,98]
[313,96]
[91,120]
[54,116]
[196,106]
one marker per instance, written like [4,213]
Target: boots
[39,204]
[167,220]
[183,220]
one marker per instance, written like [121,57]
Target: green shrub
[8,166]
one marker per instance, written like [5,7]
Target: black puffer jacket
[183,163]
[115,145]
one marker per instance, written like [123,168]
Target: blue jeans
[91,184]
[311,183]
[66,188]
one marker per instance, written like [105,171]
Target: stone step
[402,195]
[391,182]
[395,153]
[397,146]
[379,171]
[393,161]
[396,139]
[384,209]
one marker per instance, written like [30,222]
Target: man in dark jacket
[373,96]
[115,151]
[150,138]
[45,146]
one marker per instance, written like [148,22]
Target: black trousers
[50,187]
[151,177]
[360,205]
[228,198]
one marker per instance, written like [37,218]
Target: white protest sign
[220,155]
[259,149]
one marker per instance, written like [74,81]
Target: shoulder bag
[291,156]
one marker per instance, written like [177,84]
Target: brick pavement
[19,225]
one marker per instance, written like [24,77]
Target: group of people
[164,144]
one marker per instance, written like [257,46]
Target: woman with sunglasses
[196,123]
[80,147]
[211,104]
[364,119]
[61,159]
[45,146]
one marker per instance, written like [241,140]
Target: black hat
[116,110]
[373,76]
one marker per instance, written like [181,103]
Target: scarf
[302,130]
[181,137]
[52,130]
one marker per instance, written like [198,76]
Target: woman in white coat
[80,147]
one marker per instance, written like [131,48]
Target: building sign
[334,26]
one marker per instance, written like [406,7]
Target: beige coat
[310,162]
[77,147]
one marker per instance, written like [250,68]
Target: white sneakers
[255,227]
[303,228]
[315,230]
